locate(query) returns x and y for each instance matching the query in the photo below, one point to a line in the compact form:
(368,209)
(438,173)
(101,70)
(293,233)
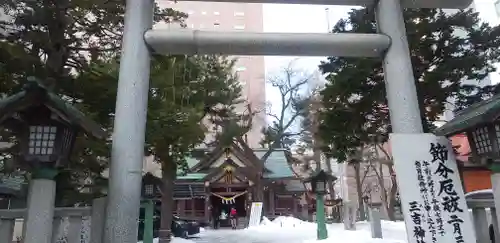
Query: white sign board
(431,193)
(255,214)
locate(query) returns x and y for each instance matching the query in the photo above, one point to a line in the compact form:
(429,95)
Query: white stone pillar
(481,226)
(6,229)
(40,212)
(495,183)
(74,229)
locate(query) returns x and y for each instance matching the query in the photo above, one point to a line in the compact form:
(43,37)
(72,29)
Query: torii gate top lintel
(448,4)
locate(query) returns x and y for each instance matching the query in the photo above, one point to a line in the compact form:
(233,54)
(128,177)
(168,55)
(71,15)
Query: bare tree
(356,161)
(377,163)
(388,161)
(291,85)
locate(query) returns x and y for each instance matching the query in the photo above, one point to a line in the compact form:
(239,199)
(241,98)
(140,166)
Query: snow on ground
(175,240)
(292,230)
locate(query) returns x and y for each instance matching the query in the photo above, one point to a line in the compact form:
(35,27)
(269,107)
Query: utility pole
(327,11)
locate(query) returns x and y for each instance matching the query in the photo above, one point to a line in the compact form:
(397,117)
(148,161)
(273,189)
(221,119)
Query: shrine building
(232,176)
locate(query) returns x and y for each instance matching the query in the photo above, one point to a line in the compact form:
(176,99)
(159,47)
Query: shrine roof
(192,176)
(295,186)
(34,93)
(192,162)
(277,164)
(477,114)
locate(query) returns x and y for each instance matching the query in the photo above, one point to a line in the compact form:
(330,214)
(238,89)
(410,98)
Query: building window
(239,14)
(42,139)
(203,13)
(216,13)
(148,190)
(190,12)
(192,26)
(239,27)
(216,25)
(482,140)
(241,69)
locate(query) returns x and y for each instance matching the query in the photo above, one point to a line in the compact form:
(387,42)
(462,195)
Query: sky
(299,19)
(317,19)
(487,12)
(279,18)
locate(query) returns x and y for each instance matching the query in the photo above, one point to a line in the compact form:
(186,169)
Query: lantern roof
(320,174)
(150,179)
(12,185)
(34,93)
(480,113)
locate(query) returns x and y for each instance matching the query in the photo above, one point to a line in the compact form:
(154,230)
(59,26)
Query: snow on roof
(479,194)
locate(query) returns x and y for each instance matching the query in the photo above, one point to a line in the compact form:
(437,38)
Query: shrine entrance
(223,198)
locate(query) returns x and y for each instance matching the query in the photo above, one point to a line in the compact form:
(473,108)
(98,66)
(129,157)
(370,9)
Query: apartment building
(223,16)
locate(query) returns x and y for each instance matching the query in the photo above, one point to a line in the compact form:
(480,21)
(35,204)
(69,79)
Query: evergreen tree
(182,89)
(445,50)
(73,45)
(63,42)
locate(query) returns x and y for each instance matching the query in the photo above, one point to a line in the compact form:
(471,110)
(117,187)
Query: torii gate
(139,39)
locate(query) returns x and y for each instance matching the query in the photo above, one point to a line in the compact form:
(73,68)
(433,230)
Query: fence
(484,216)
(70,225)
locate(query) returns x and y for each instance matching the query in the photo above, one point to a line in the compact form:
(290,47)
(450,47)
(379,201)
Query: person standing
(233,217)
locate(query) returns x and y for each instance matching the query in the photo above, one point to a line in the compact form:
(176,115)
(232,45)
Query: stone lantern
(150,187)
(317,182)
(481,124)
(46,127)
(150,191)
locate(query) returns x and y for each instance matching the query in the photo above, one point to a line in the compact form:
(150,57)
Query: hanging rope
(229,200)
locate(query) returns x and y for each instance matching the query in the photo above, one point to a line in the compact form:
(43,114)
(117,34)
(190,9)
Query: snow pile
(265,221)
(297,231)
(282,222)
(174,240)
(289,222)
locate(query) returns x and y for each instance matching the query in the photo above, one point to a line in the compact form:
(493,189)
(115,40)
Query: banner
(432,197)
(255,214)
